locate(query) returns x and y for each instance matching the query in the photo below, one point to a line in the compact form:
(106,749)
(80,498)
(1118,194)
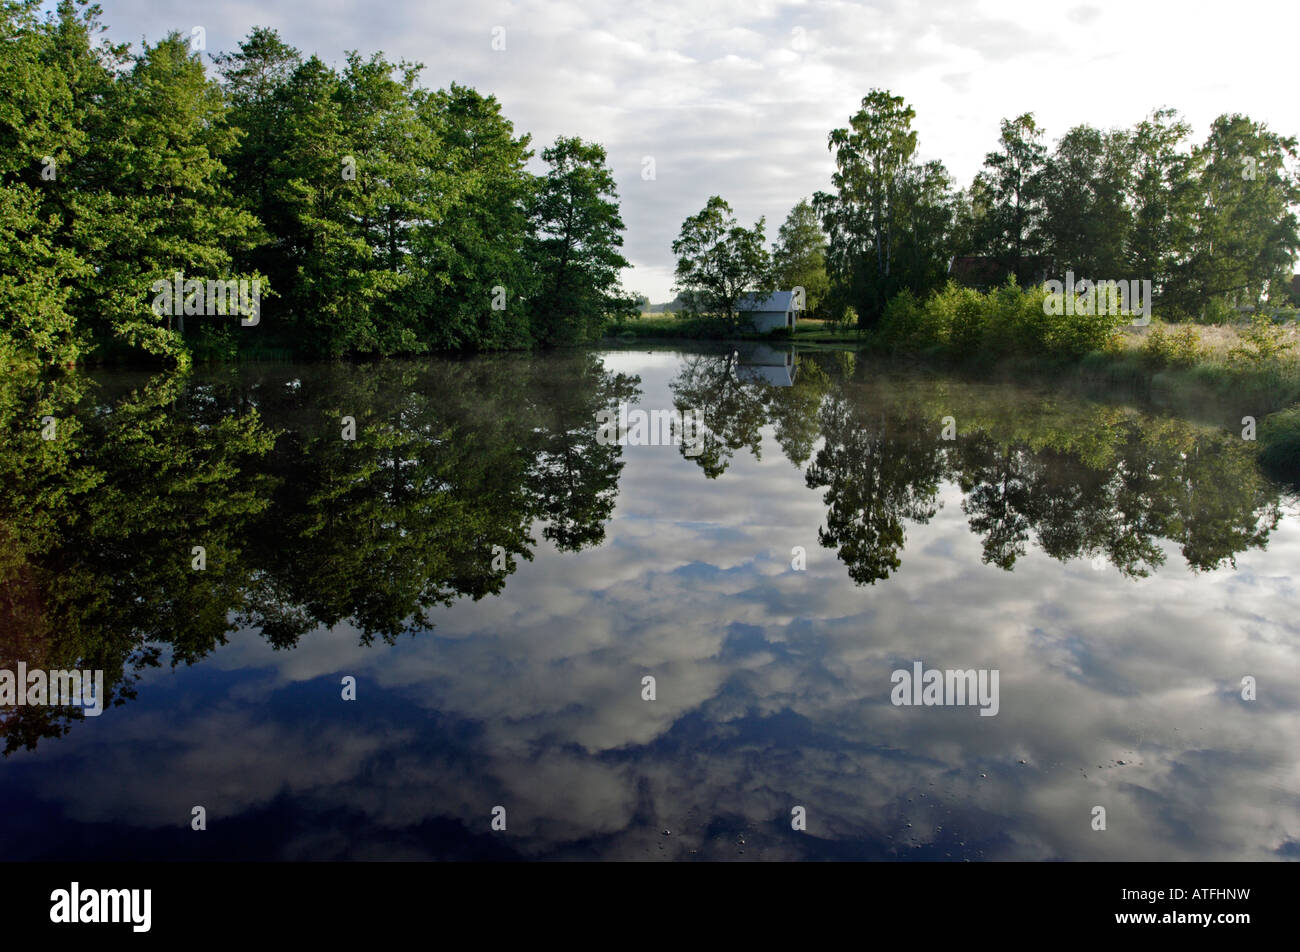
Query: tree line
(377,217)
(1212,226)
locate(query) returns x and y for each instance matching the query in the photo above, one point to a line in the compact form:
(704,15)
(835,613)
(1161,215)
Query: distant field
(650,325)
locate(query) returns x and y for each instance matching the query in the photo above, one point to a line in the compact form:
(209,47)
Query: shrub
(969,321)
(1006,321)
(1264,340)
(1217,311)
(902,326)
(1182,348)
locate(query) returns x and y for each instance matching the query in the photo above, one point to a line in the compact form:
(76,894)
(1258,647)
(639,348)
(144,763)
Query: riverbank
(674,327)
(1243,376)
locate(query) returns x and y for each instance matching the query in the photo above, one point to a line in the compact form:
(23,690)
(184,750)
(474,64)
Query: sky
(736,97)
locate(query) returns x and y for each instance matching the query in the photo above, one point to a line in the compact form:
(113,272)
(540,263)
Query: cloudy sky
(735,97)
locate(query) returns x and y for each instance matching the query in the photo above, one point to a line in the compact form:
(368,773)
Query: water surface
(499,582)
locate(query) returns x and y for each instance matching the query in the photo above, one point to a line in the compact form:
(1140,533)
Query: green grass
(673,326)
(663,326)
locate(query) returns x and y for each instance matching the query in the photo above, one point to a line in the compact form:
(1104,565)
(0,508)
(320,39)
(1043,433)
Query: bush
(904,327)
(1264,341)
(1182,348)
(1007,321)
(1217,311)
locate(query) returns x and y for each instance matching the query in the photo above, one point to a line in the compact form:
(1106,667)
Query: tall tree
(927,206)
(1087,220)
(1163,196)
(254,79)
(42,120)
(574,249)
(1246,234)
(472,279)
(888,219)
(1013,178)
(162,201)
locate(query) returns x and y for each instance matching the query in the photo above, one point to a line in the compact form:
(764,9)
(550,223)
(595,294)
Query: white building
(768,313)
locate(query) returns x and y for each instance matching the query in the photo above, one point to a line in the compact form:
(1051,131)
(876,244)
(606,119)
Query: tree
(1087,221)
(472,277)
(889,219)
(41,121)
(1163,195)
(156,198)
(383,217)
(1013,179)
(576,231)
(719,261)
(799,257)
(1246,234)
(254,79)
(926,207)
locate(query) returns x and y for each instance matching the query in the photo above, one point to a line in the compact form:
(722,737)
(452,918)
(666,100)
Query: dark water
(499,583)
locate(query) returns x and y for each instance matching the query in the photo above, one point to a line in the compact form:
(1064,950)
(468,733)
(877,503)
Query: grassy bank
(1233,374)
(1220,373)
(675,327)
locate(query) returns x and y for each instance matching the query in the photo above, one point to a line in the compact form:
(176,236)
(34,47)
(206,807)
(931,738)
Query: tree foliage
(890,219)
(375,216)
(799,258)
(719,261)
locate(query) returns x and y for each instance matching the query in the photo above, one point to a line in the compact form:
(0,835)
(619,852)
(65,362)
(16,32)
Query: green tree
(1087,221)
(576,233)
(254,78)
(799,257)
(1246,230)
(889,219)
(41,131)
(1012,179)
(472,280)
(719,262)
(1163,195)
(319,210)
(155,198)
(926,204)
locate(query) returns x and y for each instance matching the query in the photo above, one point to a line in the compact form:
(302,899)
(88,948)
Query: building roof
(779,301)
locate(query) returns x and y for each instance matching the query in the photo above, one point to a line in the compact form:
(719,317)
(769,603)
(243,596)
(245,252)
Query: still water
(500,580)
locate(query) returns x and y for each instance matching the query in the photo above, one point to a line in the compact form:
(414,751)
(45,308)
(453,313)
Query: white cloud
(723,93)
